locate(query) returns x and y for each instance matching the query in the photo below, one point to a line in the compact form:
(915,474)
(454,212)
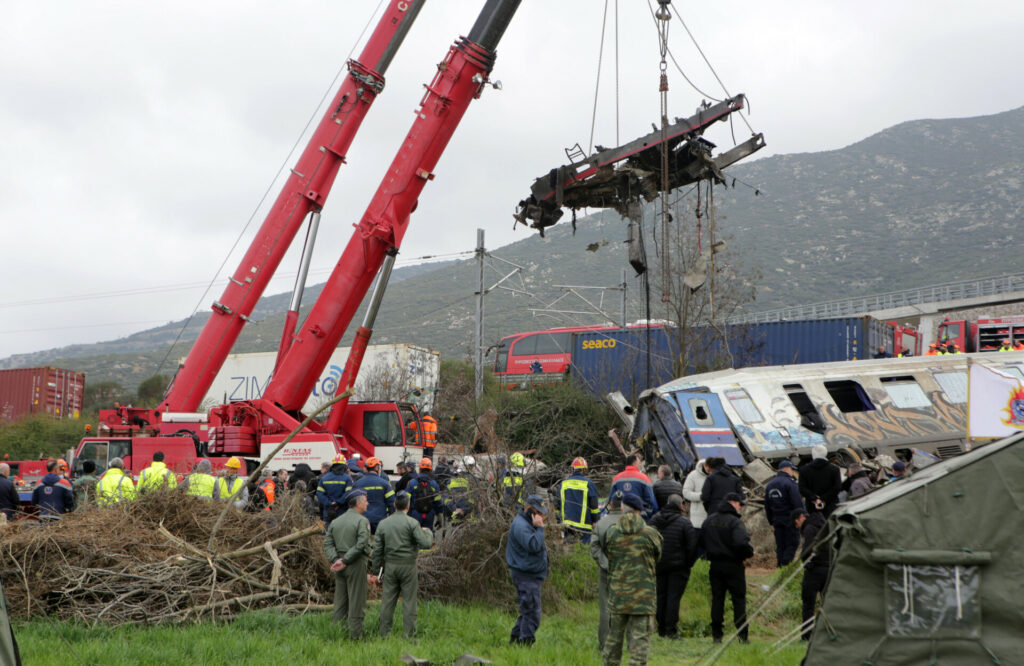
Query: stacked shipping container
(54,392)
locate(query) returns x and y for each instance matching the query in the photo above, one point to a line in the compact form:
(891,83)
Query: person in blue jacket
(332,488)
(52,497)
(527,558)
(379,494)
(425,496)
(781,498)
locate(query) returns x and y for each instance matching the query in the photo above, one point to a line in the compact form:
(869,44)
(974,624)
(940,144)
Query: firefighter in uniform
(332,488)
(512,483)
(428,437)
(577,503)
(379,495)
(157,476)
(230,487)
(200,483)
(425,495)
(115,485)
(458,500)
(399,539)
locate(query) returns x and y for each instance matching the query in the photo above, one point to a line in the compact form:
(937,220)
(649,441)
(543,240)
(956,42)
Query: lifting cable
(597,83)
(663,16)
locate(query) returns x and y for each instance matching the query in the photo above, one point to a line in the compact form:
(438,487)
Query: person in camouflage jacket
(633,550)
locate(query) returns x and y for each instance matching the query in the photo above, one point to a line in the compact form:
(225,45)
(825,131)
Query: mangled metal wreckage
(620,178)
(905,407)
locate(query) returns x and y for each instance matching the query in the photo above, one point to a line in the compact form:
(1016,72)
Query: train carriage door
(707,425)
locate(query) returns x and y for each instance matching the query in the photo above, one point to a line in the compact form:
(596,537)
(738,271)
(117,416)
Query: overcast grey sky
(138,137)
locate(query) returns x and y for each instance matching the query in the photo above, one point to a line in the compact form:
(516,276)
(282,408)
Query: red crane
(250,428)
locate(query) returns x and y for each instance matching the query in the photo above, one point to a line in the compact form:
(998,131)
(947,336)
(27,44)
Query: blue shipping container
(618,360)
(809,341)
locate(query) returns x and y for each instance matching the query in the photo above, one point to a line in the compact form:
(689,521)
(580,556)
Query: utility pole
(622,302)
(478,350)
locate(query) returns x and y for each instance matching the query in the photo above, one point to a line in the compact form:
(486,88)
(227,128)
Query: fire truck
(251,429)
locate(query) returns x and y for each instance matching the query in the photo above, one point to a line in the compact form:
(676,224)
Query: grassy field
(568,636)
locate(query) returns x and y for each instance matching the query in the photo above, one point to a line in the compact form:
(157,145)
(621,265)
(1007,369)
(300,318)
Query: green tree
(102,395)
(151,390)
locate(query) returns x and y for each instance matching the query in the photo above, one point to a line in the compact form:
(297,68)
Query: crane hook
(663,13)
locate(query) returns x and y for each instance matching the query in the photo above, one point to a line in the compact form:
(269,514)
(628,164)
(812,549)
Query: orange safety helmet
(579,463)
(372,462)
(62,464)
(426,463)
(234,463)
(339,459)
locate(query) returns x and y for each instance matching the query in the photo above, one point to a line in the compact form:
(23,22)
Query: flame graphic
(1015,409)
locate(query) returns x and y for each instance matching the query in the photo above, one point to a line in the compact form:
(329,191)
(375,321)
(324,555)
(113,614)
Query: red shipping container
(52,391)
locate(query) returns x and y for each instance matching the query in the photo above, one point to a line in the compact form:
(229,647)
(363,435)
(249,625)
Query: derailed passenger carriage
(856,409)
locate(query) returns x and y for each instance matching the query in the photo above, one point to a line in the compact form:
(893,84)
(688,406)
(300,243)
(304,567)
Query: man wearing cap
(820,482)
(347,546)
(781,497)
(527,557)
(600,555)
(817,559)
(728,545)
(899,471)
(633,549)
(331,489)
(379,495)
(399,540)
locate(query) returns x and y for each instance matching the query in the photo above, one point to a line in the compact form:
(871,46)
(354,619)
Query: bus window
(501,359)
(525,345)
(551,343)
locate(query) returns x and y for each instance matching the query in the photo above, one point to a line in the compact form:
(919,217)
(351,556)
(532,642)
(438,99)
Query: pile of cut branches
(161,559)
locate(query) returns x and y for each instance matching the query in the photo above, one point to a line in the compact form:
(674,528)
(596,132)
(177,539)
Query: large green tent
(930,569)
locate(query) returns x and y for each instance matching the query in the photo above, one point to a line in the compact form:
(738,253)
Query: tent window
(1012,370)
(905,392)
(701,413)
(933,601)
(744,406)
(953,384)
(849,396)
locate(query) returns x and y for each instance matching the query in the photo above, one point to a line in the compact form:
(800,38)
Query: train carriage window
(953,384)
(700,411)
(905,392)
(525,345)
(810,417)
(849,396)
(744,406)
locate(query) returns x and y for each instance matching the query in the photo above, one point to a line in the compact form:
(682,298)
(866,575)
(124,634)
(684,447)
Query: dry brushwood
(146,562)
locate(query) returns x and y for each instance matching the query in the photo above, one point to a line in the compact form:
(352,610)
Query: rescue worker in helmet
(458,492)
(1006,346)
(577,503)
(332,488)
(380,496)
(425,495)
(512,483)
(230,487)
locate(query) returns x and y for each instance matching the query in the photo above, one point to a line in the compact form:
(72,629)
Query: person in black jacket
(678,553)
(10,502)
(727,544)
(666,485)
(817,559)
(820,483)
(781,498)
(720,482)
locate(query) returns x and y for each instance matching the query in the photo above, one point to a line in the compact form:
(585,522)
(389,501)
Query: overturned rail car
(855,409)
